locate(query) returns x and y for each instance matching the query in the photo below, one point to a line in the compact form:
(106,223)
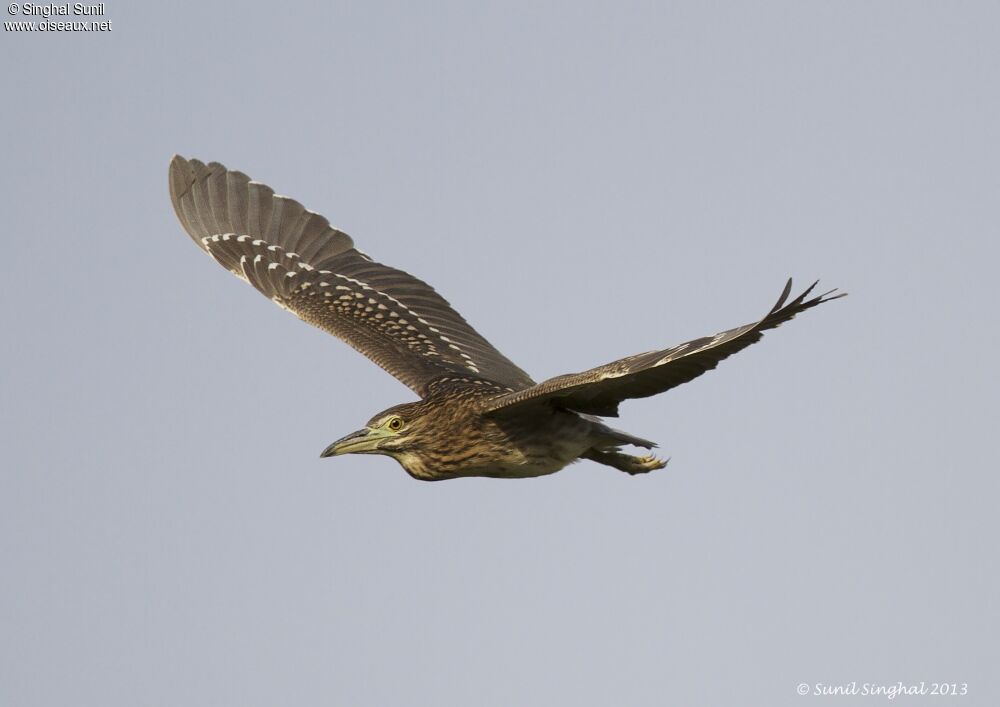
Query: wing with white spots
(599,390)
(294,257)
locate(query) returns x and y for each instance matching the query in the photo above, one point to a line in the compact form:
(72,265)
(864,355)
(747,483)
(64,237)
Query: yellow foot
(626,462)
(644,465)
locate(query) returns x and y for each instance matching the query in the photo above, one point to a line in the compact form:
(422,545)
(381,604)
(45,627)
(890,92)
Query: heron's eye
(395,424)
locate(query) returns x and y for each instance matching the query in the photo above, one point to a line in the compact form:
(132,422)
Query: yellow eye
(395,424)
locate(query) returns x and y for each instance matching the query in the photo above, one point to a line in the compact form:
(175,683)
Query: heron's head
(394,430)
(407,433)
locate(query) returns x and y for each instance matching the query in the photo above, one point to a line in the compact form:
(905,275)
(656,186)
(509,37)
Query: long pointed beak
(364,441)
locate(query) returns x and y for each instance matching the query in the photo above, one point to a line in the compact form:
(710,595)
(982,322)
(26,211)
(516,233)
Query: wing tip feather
(783,297)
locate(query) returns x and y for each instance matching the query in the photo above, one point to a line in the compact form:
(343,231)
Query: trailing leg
(625,462)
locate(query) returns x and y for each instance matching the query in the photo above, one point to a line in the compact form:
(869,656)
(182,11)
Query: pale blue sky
(582,183)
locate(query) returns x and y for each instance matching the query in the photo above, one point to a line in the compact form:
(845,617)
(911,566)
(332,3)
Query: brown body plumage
(447,435)
(479,413)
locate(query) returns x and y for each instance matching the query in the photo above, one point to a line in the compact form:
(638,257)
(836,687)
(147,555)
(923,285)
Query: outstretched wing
(303,264)
(599,390)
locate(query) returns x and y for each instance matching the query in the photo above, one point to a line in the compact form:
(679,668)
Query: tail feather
(616,438)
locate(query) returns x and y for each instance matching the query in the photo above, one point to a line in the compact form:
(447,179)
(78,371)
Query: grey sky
(582,183)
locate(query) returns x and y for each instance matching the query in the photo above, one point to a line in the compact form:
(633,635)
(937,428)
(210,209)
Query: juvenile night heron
(479,414)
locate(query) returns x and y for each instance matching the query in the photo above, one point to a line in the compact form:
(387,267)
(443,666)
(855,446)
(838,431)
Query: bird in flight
(479,414)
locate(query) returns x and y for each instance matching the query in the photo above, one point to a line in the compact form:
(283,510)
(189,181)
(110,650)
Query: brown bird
(479,414)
